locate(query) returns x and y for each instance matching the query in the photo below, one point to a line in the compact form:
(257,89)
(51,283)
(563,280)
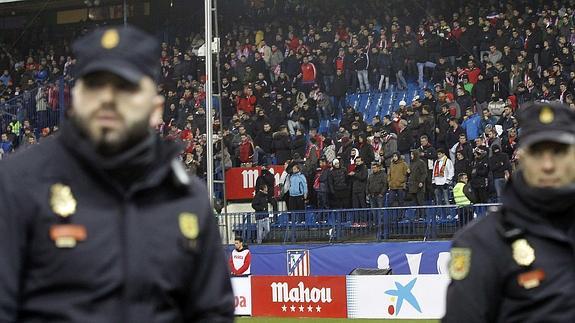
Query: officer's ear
(157,112)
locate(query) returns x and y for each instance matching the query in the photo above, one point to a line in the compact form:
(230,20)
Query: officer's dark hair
(460,176)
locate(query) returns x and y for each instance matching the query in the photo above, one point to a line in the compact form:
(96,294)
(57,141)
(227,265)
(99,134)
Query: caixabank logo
(400,295)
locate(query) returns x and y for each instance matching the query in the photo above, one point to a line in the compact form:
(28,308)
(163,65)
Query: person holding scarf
(443,172)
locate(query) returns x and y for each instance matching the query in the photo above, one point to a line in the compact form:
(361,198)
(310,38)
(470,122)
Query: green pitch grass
(310,320)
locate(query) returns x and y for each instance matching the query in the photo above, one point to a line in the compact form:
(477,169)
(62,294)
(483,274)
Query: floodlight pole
(209,98)
(125,13)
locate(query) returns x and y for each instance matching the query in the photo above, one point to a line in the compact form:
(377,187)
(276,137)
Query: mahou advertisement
(283,296)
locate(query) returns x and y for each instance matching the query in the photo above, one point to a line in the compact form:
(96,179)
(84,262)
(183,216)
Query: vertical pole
(125,13)
(209,98)
(219,82)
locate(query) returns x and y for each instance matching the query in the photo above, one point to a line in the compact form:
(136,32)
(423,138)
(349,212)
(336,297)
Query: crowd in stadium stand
(289,66)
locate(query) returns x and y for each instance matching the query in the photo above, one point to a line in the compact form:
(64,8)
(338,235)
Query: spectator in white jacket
(443,172)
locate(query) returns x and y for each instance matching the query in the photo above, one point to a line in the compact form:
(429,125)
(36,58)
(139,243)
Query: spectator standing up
(241,259)
(463,196)
(281,145)
(397,179)
(417,178)
(297,189)
(338,187)
(462,191)
(358,181)
(267,178)
(404,140)
(264,145)
(338,90)
(471,124)
(442,177)
(376,186)
(6,146)
(362,66)
(480,175)
(321,184)
(246,151)
(260,205)
(500,166)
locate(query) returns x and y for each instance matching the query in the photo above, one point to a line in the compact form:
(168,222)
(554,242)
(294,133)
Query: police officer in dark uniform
(101,223)
(517,263)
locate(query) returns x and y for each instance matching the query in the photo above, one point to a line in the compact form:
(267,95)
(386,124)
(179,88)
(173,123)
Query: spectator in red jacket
(247,101)
(246,149)
(308,73)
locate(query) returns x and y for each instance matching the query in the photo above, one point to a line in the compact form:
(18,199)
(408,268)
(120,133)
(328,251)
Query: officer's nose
(107,94)
(548,161)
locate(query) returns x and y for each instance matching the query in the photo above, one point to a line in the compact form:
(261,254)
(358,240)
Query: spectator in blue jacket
(471,124)
(5,145)
(486,119)
(297,189)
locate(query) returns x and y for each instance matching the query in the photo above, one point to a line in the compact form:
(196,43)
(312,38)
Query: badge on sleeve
(459,263)
(62,200)
(531,279)
(189,225)
(523,253)
(67,235)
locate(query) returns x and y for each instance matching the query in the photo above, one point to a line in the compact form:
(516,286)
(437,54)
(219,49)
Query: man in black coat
(101,223)
(338,186)
(338,90)
(282,145)
(264,144)
(514,265)
(480,174)
(358,181)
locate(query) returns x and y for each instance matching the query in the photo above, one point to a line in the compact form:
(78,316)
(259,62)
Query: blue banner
(404,258)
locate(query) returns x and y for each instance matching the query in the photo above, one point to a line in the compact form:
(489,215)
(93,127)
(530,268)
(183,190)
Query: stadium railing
(25,106)
(391,223)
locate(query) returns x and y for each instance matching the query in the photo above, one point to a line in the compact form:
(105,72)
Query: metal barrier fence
(43,106)
(393,223)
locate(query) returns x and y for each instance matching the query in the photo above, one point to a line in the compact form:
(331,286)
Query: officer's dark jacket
(135,264)
(491,291)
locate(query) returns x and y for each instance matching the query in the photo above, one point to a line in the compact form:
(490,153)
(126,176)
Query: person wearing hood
(267,178)
(480,174)
(365,149)
(514,265)
(338,186)
(500,167)
(389,147)
(358,180)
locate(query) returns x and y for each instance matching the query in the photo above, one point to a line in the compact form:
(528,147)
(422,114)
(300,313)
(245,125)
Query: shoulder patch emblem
(459,263)
(62,200)
(189,225)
